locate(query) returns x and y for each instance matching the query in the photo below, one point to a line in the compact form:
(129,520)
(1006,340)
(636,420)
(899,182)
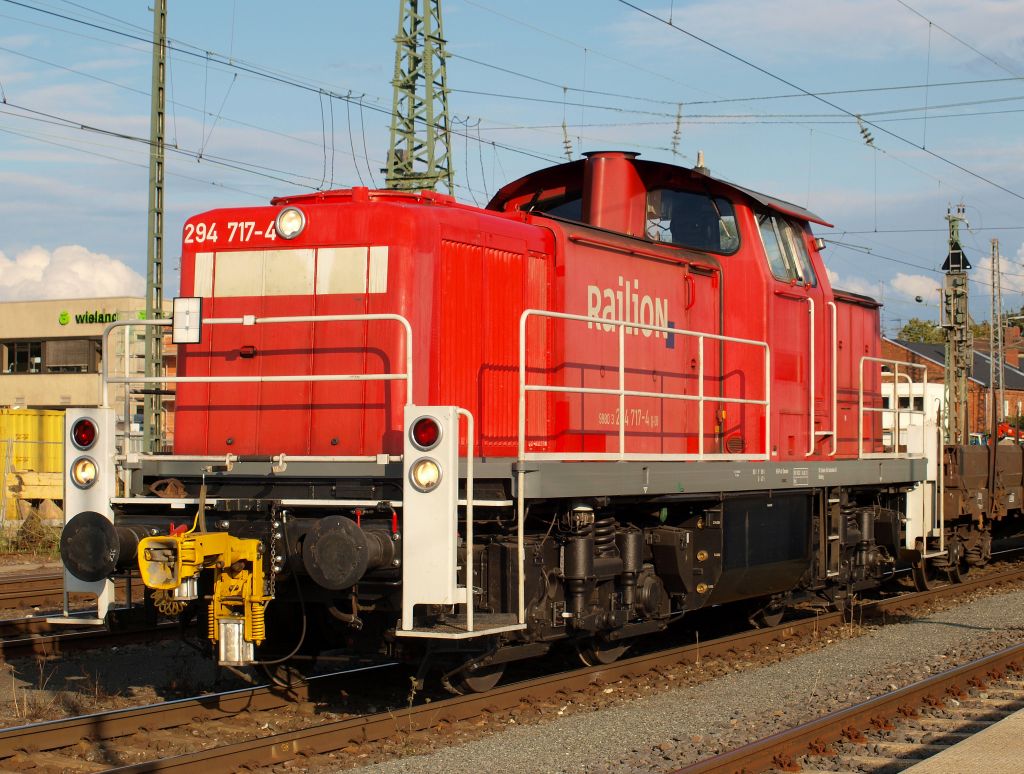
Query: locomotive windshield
(692,219)
(784,246)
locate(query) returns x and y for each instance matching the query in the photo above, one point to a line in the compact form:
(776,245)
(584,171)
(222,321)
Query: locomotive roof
(566,175)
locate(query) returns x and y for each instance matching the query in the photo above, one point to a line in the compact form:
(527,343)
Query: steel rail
(23,590)
(795,742)
(41,589)
(35,637)
(335,735)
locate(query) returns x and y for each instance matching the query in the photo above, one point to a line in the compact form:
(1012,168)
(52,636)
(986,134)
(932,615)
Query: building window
(71,356)
(24,357)
(59,356)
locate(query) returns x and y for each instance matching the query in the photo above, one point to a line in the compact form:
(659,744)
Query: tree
(920,330)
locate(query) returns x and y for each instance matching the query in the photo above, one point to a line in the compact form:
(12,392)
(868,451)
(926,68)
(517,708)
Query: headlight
(425,474)
(290,222)
(83,433)
(83,472)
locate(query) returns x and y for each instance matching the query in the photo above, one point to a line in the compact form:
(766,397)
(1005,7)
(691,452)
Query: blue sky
(73,202)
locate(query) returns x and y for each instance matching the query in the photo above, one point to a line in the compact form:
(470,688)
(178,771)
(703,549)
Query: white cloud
(913,285)
(1012,276)
(853,284)
(69,271)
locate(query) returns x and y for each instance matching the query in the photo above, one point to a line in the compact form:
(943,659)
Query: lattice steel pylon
(152,423)
(957,326)
(420,153)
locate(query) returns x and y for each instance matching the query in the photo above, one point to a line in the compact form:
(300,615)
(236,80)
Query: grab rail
(622,393)
(896,410)
(250,320)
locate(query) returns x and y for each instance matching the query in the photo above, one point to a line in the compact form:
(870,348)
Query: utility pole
(152,431)
(420,153)
(957,327)
(995,337)
(996,393)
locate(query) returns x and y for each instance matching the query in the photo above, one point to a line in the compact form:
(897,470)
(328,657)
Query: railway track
(267,725)
(35,637)
(33,590)
(32,635)
(46,589)
(894,731)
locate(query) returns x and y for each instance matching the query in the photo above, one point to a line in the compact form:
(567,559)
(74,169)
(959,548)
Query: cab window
(569,206)
(692,219)
(785,249)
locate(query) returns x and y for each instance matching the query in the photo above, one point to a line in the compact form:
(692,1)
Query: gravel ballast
(678,726)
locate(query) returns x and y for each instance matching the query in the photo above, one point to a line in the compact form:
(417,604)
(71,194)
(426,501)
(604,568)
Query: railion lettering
(626,304)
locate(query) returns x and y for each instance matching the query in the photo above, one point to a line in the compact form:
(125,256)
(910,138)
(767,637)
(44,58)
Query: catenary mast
(152,431)
(956,324)
(420,153)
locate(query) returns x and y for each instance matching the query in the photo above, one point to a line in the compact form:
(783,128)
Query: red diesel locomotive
(623,391)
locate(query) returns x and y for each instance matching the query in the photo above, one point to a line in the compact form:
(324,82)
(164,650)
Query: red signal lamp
(83,433)
(426,432)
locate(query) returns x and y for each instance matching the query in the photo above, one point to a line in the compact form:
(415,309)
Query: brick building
(933,356)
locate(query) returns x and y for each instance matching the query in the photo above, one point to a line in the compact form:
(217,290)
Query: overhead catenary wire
(960,40)
(478,128)
(825,101)
(246,67)
(263,72)
(366,153)
(45,139)
(726,100)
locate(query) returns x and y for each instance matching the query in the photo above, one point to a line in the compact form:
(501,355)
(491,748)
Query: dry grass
(32,536)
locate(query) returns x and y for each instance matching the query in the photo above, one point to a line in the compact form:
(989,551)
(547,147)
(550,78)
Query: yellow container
(32,439)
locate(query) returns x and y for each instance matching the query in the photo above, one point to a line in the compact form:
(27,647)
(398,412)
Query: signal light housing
(83,433)
(425,433)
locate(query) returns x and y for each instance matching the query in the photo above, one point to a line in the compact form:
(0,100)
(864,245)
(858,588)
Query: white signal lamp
(425,474)
(83,472)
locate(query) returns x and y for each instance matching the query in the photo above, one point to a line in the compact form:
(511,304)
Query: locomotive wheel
(926,575)
(595,652)
(478,681)
(958,567)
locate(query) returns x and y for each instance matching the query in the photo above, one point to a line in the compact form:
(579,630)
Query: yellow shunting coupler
(237,611)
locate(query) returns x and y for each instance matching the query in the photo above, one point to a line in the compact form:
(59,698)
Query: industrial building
(51,358)
(50,351)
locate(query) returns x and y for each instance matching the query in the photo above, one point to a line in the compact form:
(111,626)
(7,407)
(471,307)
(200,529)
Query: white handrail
(127,379)
(107,379)
(469,517)
(812,436)
(622,393)
(835,379)
(897,411)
